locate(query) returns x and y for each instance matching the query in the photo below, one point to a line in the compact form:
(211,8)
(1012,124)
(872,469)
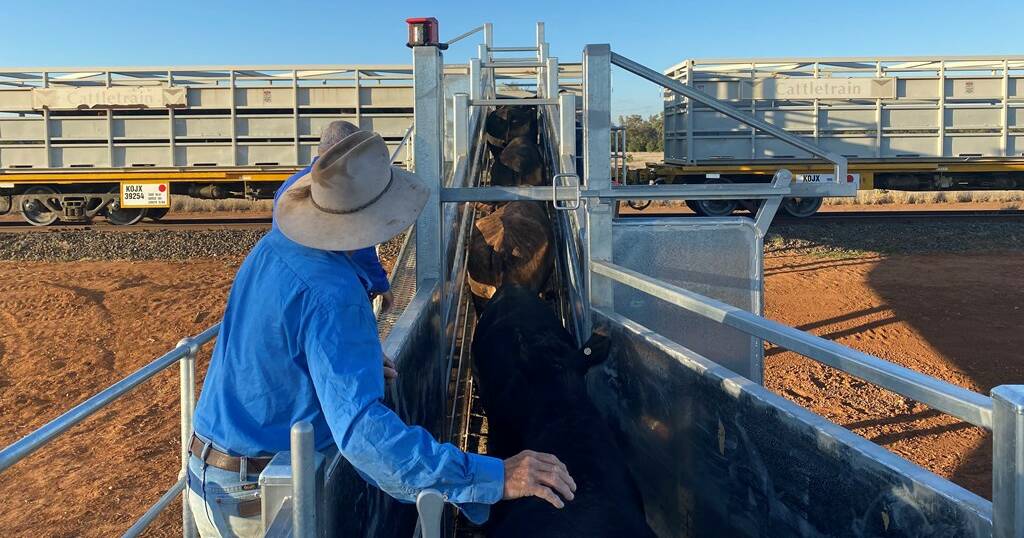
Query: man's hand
(530,473)
(386,300)
(390,370)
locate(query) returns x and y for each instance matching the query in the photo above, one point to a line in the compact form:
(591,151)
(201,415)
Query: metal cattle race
(712,449)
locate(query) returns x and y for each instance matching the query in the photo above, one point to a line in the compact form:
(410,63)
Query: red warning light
(423,32)
(849,178)
(162,187)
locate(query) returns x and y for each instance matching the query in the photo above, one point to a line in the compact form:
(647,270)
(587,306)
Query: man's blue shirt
(299,342)
(366,258)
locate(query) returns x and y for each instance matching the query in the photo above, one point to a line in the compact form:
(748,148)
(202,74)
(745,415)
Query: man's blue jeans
(214,494)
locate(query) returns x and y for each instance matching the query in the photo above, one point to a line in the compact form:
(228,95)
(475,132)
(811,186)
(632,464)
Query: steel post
(1008,461)
(430,509)
(187,371)
(567,128)
(475,82)
(551,70)
(303,481)
(427,147)
(597,123)
(460,125)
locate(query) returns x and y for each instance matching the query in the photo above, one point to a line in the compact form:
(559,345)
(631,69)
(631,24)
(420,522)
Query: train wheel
(157,213)
(801,207)
(639,205)
(714,208)
(37,213)
(120,216)
(693,207)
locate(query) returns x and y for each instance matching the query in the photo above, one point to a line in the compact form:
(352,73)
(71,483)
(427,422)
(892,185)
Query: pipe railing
(957,401)
(1002,414)
(184,353)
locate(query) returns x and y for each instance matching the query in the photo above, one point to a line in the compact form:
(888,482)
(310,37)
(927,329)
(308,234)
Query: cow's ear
(595,349)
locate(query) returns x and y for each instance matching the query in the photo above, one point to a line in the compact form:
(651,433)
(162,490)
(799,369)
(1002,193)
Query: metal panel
(719,258)
(934,99)
(717,455)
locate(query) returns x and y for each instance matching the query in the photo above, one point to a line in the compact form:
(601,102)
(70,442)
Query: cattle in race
(513,244)
(530,378)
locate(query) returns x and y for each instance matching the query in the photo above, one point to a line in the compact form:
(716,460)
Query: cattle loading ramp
(713,452)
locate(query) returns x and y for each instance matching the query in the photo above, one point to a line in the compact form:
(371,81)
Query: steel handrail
(957,401)
(25,446)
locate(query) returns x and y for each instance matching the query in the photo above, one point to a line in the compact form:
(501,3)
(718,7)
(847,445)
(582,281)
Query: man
(299,342)
(373,274)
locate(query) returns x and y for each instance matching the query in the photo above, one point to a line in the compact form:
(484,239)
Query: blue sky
(658,34)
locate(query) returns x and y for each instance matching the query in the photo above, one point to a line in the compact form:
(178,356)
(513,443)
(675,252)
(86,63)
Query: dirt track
(68,329)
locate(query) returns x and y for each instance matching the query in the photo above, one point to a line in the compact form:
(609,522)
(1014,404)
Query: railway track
(214,223)
(203,223)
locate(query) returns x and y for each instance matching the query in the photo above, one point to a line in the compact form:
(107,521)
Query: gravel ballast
(74,245)
(884,237)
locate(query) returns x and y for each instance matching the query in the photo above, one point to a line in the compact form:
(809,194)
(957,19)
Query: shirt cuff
(487,489)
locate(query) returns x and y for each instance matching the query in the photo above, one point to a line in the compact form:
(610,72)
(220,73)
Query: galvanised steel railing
(184,354)
(1002,414)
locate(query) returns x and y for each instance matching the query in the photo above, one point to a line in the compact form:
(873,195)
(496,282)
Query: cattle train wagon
(660,355)
(76,143)
(904,123)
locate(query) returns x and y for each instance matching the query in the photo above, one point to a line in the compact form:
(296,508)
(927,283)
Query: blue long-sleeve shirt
(366,258)
(299,342)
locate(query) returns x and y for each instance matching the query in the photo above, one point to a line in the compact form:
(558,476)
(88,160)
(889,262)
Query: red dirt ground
(67,330)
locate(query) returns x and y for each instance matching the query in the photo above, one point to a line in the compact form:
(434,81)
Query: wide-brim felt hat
(352,198)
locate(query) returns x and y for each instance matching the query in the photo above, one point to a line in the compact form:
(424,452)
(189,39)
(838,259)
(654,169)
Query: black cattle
(522,157)
(514,245)
(531,383)
(507,122)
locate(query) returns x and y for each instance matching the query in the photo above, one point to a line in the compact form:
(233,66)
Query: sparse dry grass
(884,197)
(196,205)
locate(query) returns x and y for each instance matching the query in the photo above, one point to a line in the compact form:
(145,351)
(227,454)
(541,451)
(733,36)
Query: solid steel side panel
(946,397)
(719,258)
(715,454)
(1008,461)
(418,397)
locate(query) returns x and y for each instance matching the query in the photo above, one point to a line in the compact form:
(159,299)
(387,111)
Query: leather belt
(224,461)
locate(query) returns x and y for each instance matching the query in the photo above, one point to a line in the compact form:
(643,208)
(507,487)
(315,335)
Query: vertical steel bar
(234,118)
(296,123)
(1008,461)
(460,125)
(941,149)
(427,147)
(170,123)
(187,373)
(690,143)
(1005,117)
(303,481)
(475,82)
(358,82)
(567,127)
(551,75)
(878,116)
(46,124)
(597,122)
(110,130)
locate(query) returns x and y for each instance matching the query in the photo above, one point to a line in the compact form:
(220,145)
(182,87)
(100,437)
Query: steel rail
(716,191)
(957,401)
(25,446)
(154,511)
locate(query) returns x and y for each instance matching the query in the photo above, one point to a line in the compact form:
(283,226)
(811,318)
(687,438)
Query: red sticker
(162,187)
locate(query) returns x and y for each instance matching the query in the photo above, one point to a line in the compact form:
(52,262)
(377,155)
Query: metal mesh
(403,286)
